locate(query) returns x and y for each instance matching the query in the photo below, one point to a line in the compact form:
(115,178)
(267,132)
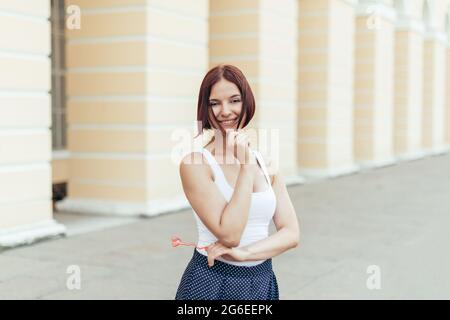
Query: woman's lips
(228,122)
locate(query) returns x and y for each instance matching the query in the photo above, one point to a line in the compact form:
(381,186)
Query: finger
(212,256)
(241,135)
(231,138)
(217,253)
(208,248)
(220,252)
(241,141)
(232,135)
(212,245)
(244,140)
(210,260)
(224,251)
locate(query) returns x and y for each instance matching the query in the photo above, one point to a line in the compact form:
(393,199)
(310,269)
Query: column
(409,35)
(325,94)
(447,85)
(447,82)
(434,62)
(25,139)
(134,70)
(259,37)
(374,84)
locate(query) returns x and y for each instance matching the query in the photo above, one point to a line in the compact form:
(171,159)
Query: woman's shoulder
(194,164)
(195,155)
(192,157)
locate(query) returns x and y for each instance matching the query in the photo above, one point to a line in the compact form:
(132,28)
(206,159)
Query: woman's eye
(213,104)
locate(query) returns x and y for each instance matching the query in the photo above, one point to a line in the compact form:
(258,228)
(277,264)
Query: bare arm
(286,222)
(226,221)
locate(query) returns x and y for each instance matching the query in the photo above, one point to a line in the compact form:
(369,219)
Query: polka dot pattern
(224,281)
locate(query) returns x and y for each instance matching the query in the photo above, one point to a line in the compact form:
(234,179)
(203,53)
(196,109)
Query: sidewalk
(397,218)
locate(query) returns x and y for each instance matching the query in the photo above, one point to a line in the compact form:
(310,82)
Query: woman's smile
(229,122)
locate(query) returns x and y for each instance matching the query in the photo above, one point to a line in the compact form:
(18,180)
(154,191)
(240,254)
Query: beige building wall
(25,148)
(60,170)
(133,73)
(260,37)
(325,91)
(447,86)
(445,20)
(433,135)
(409,37)
(374,83)
(323,72)
(434,87)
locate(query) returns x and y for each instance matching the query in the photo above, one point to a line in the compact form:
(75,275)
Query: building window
(59,137)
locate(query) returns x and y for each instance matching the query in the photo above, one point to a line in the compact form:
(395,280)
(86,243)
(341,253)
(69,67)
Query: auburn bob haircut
(234,75)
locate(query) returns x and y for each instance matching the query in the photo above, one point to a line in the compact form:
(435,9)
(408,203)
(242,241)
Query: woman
(234,198)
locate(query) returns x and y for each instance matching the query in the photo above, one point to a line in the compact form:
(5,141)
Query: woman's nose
(226,109)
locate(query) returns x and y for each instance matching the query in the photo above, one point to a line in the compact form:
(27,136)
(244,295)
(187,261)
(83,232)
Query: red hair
(234,75)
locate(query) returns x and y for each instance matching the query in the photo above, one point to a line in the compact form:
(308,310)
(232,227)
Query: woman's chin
(228,127)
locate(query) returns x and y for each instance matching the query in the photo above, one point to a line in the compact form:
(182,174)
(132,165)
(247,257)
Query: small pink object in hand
(176,241)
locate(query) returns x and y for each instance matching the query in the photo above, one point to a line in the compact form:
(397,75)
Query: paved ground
(397,218)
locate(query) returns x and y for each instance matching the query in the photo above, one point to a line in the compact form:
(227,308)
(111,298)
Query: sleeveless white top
(262,209)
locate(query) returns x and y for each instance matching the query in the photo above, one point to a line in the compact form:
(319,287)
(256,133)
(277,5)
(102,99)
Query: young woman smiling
(234,199)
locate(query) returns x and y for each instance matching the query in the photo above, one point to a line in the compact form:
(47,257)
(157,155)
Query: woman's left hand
(217,249)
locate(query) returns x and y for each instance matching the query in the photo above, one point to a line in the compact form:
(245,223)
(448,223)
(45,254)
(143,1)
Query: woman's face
(225,101)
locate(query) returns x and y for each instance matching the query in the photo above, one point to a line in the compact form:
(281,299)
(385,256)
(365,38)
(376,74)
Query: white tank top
(262,209)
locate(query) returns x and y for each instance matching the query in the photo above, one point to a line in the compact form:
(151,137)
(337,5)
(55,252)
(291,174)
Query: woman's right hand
(240,143)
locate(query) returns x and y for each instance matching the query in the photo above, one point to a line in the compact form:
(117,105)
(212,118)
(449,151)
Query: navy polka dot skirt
(224,281)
